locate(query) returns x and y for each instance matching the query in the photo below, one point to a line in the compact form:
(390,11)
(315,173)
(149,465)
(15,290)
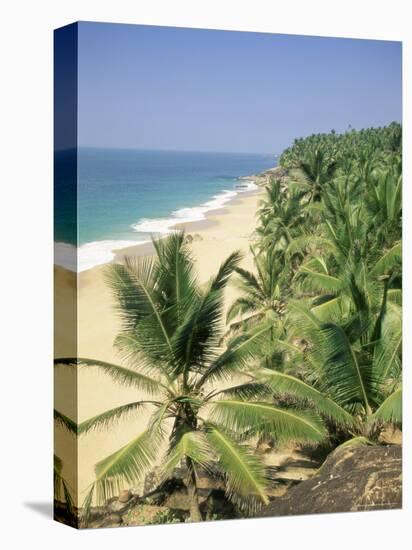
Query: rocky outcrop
(263,178)
(351,479)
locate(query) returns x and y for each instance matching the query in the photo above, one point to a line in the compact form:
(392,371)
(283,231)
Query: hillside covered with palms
(309,353)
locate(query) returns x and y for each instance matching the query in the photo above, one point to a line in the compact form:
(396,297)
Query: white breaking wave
(163,226)
(89,255)
(95,253)
(101,252)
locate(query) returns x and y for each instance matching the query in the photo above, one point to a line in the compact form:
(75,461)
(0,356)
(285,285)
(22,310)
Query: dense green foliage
(335,230)
(311,348)
(172,330)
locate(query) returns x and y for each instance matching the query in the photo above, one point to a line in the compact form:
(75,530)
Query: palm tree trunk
(195,514)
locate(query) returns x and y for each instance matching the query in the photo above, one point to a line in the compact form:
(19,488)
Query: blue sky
(203,90)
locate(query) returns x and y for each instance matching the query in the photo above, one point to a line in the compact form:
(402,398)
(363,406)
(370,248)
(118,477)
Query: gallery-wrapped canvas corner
(228,277)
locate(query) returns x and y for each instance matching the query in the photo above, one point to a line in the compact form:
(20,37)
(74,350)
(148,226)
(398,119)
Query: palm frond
(328,308)
(320,281)
(390,259)
(127,465)
(66,422)
(87,505)
(387,353)
(391,409)
(249,390)
(244,473)
(174,274)
(267,420)
(282,383)
(111,416)
(345,377)
(197,338)
(68,499)
(225,271)
(249,279)
(139,299)
(240,351)
(139,350)
(193,445)
(395,296)
(130,284)
(122,375)
(240,307)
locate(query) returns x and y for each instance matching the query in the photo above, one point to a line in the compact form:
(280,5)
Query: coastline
(213,239)
(195,229)
(212,216)
(94,253)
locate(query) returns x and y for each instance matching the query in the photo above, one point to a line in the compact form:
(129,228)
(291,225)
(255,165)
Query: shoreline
(212,219)
(98,325)
(213,239)
(68,256)
(212,216)
(215,223)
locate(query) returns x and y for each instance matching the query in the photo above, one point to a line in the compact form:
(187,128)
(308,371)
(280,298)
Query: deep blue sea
(125,196)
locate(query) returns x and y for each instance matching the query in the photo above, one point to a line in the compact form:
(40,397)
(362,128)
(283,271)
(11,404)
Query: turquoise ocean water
(125,196)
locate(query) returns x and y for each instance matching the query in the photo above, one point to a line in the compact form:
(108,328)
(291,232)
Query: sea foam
(89,254)
(163,226)
(101,252)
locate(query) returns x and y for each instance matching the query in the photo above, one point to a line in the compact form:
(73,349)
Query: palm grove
(310,351)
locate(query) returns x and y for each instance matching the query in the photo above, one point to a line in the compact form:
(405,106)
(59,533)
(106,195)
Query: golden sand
(98,324)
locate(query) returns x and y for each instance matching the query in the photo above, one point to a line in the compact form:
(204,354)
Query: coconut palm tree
(360,257)
(316,168)
(260,298)
(282,217)
(383,204)
(343,303)
(355,386)
(171,343)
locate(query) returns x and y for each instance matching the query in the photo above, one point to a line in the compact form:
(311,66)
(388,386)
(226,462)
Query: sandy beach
(224,231)
(197,173)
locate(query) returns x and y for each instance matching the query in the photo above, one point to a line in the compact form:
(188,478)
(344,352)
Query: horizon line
(80,146)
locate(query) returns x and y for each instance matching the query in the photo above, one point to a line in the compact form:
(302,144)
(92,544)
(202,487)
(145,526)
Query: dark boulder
(351,479)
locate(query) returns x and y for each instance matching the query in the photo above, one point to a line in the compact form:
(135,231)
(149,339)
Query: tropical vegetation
(310,351)
(340,270)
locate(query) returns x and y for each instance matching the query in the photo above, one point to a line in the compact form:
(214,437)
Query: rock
(351,479)
(152,480)
(178,500)
(264,177)
(218,506)
(118,507)
(125,495)
(147,514)
(390,436)
(189,238)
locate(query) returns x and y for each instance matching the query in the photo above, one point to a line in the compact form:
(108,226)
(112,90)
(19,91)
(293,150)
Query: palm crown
(172,330)
(340,273)
(313,348)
